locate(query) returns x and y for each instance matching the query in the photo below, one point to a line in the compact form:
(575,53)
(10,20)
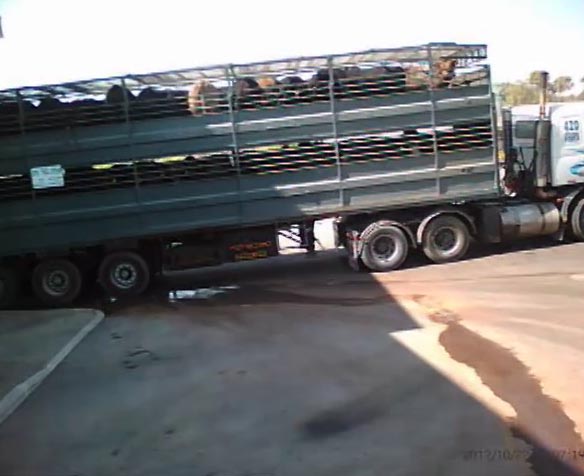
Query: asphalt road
(300,366)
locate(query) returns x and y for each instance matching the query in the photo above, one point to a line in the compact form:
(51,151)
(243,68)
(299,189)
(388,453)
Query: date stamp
(506,454)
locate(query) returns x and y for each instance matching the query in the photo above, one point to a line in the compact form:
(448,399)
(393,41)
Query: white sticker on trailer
(47,177)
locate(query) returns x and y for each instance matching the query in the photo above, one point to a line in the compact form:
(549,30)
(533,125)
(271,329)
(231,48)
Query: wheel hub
(384,248)
(56,282)
(445,239)
(124,275)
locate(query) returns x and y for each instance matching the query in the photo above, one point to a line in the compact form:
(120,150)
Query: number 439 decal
(572,131)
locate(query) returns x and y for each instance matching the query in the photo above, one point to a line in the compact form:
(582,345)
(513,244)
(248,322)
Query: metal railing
(274,159)
(204,91)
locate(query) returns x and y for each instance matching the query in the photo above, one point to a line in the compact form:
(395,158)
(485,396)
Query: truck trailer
(118,179)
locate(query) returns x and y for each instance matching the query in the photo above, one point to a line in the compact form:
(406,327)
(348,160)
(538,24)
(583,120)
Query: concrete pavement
(32,344)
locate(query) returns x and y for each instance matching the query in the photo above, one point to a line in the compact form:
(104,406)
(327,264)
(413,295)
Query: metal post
(38,222)
(21,122)
(20,115)
(437,164)
(130,136)
(230,75)
(494,131)
(130,142)
(335,133)
(23,141)
(126,102)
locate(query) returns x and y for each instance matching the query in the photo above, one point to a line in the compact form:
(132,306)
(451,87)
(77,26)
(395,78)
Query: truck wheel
(577,221)
(445,239)
(124,273)
(56,282)
(9,287)
(386,249)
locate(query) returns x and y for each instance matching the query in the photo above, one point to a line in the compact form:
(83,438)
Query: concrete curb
(13,399)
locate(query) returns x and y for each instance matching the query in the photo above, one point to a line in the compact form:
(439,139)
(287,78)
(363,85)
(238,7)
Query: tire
(9,287)
(577,221)
(56,282)
(386,249)
(124,273)
(446,239)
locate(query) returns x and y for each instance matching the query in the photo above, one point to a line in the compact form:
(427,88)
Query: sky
(50,41)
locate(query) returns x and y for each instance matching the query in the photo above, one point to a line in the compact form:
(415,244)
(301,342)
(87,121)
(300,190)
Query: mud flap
(354,249)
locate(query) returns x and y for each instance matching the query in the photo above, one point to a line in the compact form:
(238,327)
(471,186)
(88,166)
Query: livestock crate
(234,145)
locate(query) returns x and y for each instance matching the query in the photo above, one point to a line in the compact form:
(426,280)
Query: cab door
(567,150)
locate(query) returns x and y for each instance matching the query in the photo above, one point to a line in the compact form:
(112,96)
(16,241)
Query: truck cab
(566,140)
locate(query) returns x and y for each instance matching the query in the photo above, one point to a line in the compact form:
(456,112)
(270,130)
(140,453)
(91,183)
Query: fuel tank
(511,222)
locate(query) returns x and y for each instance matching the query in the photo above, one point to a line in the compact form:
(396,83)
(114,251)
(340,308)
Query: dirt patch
(435,311)
(558,449)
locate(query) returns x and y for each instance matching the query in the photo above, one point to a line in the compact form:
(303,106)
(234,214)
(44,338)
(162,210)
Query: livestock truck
(117,179)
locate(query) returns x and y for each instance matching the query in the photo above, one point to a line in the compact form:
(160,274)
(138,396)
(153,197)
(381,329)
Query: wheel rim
(124,276)
(383,249)
(56,282)
(445,239)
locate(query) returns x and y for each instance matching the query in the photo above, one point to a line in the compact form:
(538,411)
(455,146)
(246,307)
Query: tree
(534,78)
(520,92)
(527,92)
(562,84)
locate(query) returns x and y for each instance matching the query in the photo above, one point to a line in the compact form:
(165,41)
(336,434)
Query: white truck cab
(566,144)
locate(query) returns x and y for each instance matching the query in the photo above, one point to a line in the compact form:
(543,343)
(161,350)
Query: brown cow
(204,98)
(443,72)
(267,82)
(416,77)
(271,90)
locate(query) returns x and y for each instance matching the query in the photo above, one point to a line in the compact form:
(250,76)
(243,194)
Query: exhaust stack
(543,88)
(542,137)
